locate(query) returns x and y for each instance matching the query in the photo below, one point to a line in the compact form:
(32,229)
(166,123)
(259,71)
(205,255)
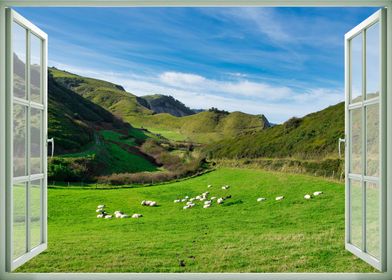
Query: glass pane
(372,140)
(35,69)
(373,61)
(356,68)
(356,213)
(35,202)
(20,117)
(36,135)
(373,219)
(19,60)
(19,220)
(356,141)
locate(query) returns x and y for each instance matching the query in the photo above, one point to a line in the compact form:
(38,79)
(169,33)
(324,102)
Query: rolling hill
(202,127)
(314,136)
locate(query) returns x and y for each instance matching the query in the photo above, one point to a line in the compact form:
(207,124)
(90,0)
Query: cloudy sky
(281,62)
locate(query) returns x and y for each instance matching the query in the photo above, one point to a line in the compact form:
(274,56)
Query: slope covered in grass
(313,136)
(242,235)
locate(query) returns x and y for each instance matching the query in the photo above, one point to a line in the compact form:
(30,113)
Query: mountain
(165,104)
(314,136)
(203,127)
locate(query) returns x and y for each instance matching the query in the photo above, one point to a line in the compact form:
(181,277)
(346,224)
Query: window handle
(51,141)
(341,140)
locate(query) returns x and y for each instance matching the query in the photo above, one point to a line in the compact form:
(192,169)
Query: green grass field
(242,235)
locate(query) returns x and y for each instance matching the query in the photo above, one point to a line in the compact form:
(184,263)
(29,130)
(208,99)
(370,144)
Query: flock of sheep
(189,203)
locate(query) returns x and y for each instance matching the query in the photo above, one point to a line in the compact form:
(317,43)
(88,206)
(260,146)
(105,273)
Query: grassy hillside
(313,136)
(203,127)
(242,235)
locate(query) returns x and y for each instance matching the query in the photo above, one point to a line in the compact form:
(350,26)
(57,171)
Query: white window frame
(193,3)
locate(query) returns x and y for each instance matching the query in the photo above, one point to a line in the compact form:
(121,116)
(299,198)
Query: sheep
(153,203)
(101,206)
(198,197)
(118,214)
(226,187)
(108,216)
(183,200)
(227,197)
(186,197)
(213,198)
(177,201)
(307,196)
(186,207)
(206,206)
(220,200)
(279,198)
(207,202)
(137,216)
(260,199)
(317,193)
(100,216)
(189,202)
(124,216)
(192,199)
(209,186)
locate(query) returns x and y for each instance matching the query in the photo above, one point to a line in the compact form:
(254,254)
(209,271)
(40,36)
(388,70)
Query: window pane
(372,140)
(20,113)
(356,213)
(35,218)
(356,68)
(35,69)
(19,220)
(373,61)
(36,135)
(19,60)
(373,219)
(356,141)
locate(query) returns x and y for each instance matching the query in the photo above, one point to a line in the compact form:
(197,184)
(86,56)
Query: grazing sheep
(118,214)
(100,216)
(307,196)
(279,198)
(186,197)
(101,206)
(206,206)
(209,186)
(317,193)
(137,216)
(260,199)
(220,200)
(226,187)
(198,197)
(207,202)
(183,200)
(186,207)
(177,201)
(192,199)
(189,202)
(153,204)
(108,216)
(124,216)
(213,198)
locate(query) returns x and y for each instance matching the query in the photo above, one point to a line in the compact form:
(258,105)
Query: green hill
(314,136)
(203,127)
(159,103)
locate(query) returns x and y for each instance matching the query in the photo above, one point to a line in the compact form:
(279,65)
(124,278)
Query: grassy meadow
(241,235)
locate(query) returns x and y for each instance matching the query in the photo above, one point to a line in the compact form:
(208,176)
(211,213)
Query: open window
(365,140)
(26,140)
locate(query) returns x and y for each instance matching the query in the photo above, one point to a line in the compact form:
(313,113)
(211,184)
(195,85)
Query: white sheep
(177,201)
(124,216)
(279,198)
(189,202)
(260,199)
(209,186)
(206,206)
(307,196)
(198,197)
(118,214)
(192,199)
(137,216)
(186,207)
(108,216)
(183,200)
(317,193)
(213,198)
(220,200)
(153,203)
(100,216)
(207,202)
(101,206)
(186,197)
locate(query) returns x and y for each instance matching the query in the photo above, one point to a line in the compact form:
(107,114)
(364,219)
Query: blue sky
(281,62)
